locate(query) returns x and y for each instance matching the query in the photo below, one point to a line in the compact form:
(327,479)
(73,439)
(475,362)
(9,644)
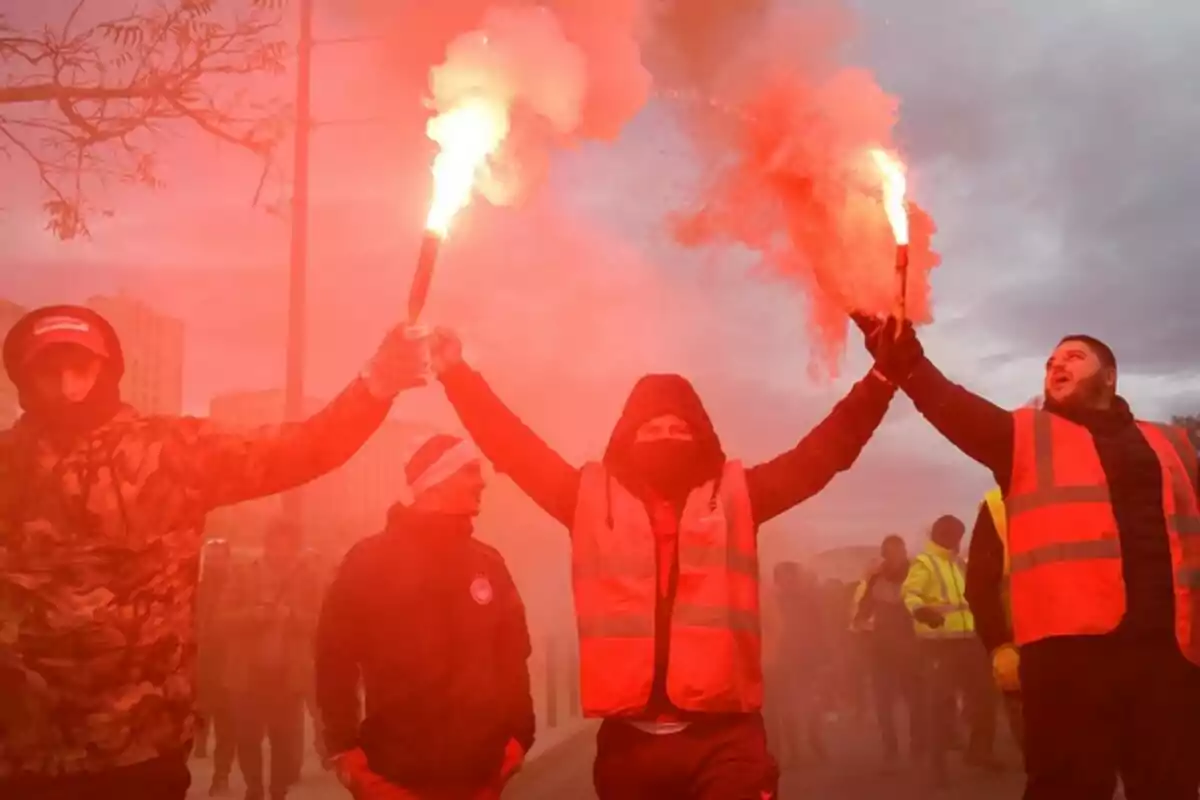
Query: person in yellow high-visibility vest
(934,593)
(988,595)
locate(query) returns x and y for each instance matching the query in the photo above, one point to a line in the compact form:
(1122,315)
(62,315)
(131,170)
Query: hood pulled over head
(668,467)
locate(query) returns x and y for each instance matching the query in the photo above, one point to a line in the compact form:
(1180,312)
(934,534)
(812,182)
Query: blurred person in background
(214,645)
(102,513)
(665,572)
(429,619)
(955,665)
(1102,519)
(803,666)
(895,661)
(848,687)
(276,601)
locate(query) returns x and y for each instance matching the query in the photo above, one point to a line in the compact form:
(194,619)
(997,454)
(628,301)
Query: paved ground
(853,773)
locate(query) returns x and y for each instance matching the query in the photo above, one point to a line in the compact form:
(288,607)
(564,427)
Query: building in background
(338,509)
(153,347)
(9,408)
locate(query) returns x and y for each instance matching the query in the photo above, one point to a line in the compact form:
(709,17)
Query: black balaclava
(66,420)
(668,468)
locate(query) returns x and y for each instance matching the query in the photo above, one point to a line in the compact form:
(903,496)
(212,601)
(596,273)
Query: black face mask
(895,570)
(667,464)
(68,419)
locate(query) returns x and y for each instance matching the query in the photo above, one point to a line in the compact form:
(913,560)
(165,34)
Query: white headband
(448,463)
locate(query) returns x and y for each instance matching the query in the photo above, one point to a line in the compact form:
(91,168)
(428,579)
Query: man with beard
(665,573)
(431,620)
(101,519)
(277,600)
(1102,531)
(213,648)
(895,668)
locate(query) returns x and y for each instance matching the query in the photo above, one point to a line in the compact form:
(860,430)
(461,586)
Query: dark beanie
(428,454)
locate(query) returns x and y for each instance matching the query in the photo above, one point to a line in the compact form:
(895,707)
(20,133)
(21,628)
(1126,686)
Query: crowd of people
(256,627)
(1081,587)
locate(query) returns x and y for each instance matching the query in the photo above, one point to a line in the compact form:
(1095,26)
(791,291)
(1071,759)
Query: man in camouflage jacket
(101,515)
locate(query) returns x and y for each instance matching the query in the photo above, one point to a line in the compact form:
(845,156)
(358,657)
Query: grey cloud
(1078,123)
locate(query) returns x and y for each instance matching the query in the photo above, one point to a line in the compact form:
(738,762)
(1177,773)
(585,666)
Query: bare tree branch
(88,105)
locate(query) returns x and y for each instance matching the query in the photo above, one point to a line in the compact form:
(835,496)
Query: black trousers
(219,722)
(1099,706)
(723,758)
(959,668)
(896,680)
(276,715)
(162,778)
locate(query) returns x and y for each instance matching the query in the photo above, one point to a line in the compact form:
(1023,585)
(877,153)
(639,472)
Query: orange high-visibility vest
(716,640)
(1062,535)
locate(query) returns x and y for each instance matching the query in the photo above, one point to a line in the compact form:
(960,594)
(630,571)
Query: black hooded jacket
(775,486)
(984,432)
(431,620)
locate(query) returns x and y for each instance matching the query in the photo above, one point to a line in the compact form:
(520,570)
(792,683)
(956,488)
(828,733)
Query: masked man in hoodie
(665,567)
(431,620)
(101,517)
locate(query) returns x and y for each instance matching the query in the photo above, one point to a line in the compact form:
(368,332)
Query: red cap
(63,329)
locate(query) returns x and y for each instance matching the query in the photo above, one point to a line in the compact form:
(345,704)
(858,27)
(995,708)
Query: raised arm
(979,428)
(508,443)
(832,447)
(230,466)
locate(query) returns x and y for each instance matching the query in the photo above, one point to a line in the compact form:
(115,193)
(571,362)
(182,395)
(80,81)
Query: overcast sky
(1055,146)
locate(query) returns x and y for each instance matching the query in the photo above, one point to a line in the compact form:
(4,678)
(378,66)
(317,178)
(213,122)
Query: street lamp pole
(297,333)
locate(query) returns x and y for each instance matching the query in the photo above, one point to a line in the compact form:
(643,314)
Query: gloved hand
(896,354)
(1006,667)
(930,617)
(445,350)
(401,362)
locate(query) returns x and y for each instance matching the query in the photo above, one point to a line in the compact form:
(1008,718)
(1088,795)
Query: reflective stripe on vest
(959,623)
(1067,577)
(715,648)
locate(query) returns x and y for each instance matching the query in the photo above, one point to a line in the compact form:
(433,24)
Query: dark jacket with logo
(431,620)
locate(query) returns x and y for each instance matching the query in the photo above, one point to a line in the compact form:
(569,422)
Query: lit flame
(894,187)
(468,135)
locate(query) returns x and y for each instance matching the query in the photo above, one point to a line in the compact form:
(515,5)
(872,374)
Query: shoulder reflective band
(1182,484)
(1047,493)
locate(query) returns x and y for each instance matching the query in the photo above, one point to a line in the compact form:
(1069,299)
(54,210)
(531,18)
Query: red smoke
(782,127)
(786,135)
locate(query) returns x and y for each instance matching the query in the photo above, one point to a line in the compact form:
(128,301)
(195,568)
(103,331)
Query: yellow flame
(468,135)
(894,187)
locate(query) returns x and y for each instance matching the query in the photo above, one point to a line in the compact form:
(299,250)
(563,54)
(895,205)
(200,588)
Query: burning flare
(894,187)
(468,134)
